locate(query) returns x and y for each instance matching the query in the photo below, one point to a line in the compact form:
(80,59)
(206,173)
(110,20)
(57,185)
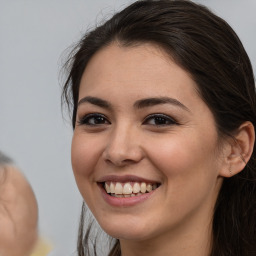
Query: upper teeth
(129,187)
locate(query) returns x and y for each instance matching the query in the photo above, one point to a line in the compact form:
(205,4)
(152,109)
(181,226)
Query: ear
(238,150)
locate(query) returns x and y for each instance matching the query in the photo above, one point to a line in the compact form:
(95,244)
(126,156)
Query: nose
(123,147)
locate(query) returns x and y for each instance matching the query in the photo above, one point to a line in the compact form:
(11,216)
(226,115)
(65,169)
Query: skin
(186,156)
(18,214)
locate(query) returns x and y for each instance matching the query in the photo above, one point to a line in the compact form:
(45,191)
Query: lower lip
(125,201)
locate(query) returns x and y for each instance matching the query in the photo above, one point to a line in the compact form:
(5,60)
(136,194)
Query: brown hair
(207,47)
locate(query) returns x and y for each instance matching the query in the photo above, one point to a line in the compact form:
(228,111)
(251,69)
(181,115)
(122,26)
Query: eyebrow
(143,103)
(95,101)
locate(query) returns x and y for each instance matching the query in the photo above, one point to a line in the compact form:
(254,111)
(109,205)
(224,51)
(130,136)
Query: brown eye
(159,120)
(93,120)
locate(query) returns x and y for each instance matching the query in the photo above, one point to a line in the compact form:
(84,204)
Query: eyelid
(82,120)
(85,118)
(167,117)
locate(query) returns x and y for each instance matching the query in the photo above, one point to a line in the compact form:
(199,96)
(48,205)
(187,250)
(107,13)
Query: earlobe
(240,150)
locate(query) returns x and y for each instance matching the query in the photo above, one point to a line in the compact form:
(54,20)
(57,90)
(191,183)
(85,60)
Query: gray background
(33,37)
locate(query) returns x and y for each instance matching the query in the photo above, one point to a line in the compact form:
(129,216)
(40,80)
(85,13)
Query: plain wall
(33,37)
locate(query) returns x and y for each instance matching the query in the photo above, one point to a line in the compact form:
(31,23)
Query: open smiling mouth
(128,189)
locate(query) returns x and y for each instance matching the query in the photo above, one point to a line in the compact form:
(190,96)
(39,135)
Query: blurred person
(18,211)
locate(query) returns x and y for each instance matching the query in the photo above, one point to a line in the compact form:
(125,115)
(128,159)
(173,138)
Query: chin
(126,229)
(128,234)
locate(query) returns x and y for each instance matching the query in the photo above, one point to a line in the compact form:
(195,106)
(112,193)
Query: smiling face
(141,120)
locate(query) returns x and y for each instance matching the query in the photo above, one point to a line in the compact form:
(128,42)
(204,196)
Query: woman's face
(141,125)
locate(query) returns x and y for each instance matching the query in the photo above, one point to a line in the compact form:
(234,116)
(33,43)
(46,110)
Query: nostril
(122,150)
(120,163)
(119,158)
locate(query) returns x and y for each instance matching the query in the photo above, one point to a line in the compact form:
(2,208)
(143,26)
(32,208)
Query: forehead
(144,70)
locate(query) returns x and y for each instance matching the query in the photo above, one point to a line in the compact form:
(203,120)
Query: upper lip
(126,178)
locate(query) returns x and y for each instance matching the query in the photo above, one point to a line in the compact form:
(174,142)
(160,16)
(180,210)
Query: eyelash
(86,119)
(168,121)
(100,119)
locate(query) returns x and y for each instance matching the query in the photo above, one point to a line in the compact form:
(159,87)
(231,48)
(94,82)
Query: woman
(18,211)
(18,214)
(164,110)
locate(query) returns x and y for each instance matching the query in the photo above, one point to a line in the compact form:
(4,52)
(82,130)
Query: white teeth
(149,187)
(118,188)
(143,187)
(136,188)
(112,188)
(127,189)
(107,188)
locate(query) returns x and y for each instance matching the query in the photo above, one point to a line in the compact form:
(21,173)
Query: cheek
(84,157)
(85,152)
(186,160)
(190,175)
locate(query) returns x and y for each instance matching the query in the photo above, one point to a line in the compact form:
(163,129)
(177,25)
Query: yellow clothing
(42,248)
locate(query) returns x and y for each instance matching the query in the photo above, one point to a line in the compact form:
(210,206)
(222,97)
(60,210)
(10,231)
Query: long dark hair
(207,47)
